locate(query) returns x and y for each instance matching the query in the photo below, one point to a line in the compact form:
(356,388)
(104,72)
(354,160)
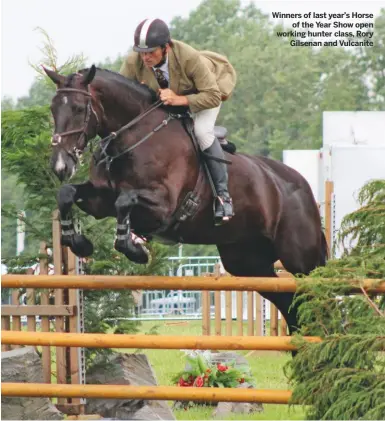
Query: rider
(200,80)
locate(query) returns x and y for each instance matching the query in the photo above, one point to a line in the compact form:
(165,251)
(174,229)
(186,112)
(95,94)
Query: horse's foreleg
(78,243)
(123,243)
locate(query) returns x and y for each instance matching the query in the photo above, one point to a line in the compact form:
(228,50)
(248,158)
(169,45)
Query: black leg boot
(218,170)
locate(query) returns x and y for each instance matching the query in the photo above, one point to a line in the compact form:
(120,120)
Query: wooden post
(206,318)
(5,325)
(273,320)
(283,331)
(217,304)
(16,320)
(44,299)
(258,314)
(73,328)
(240,312)
(229,315)
(59,299)
(31,320)
(250,313)
(329,188)
(258,322)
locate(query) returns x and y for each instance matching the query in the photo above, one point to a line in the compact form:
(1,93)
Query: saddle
(220,133)
(182,113)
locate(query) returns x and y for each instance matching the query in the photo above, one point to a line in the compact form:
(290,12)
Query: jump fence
(65,286)
(138,341)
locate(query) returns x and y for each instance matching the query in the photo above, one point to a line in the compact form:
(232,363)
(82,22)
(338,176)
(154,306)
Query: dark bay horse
(149,177)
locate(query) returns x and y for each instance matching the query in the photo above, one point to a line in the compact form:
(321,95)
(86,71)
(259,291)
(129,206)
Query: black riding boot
(218,170)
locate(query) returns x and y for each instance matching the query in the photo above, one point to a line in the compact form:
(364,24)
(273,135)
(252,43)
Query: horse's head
(75,119)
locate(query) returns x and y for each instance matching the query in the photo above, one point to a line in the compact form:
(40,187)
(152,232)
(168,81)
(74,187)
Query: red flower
(183,383)
(198,381)
(208,371)
(222,367)
(242,380)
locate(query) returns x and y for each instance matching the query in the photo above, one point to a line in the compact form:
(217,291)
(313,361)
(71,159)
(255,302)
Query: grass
(267,369)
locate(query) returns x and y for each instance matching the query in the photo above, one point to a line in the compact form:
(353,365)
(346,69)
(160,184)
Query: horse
(148,175)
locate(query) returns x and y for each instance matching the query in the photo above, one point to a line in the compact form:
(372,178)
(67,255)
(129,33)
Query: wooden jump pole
(104,340)
(225,283)
(146,392)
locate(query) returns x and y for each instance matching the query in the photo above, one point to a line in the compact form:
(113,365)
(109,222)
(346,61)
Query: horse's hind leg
(87,198)
(300,245)
(256,258)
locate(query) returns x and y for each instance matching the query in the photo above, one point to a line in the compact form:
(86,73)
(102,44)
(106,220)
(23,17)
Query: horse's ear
(54,76)
(89,76)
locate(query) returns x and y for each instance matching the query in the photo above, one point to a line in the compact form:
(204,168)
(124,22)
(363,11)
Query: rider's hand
(169,97)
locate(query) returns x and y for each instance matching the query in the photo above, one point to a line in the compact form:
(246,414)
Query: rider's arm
(209,95)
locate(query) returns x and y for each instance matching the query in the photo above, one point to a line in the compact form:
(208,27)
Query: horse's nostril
(61,175)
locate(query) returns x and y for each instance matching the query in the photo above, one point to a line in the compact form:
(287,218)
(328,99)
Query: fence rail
(223,283)
(146,392)
(95,340)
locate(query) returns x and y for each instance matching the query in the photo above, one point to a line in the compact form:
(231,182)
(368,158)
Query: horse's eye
(78,109)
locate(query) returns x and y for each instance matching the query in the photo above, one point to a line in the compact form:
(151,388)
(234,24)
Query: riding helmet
(151,34)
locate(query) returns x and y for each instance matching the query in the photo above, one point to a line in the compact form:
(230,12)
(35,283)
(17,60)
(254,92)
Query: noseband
(57,137)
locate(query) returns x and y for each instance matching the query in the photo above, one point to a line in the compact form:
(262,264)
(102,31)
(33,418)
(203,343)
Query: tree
(7,103)
(25,146)
(11,192)
(372,64)
(343,377)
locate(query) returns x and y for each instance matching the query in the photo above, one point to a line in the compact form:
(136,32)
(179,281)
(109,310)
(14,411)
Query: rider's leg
(204,122)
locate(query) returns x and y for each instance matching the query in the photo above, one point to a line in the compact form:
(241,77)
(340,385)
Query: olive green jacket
(206,78)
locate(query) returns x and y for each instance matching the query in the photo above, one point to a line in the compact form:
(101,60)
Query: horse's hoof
(134,252)
(140,257)
(66,241)
(81,246)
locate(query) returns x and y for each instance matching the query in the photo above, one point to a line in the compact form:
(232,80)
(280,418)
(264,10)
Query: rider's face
(153,58)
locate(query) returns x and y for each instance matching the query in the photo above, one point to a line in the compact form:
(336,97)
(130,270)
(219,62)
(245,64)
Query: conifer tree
(344,376)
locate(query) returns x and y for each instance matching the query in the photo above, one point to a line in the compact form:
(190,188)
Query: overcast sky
(104,28)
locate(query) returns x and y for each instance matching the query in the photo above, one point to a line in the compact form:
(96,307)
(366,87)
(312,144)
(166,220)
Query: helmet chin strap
(164,57)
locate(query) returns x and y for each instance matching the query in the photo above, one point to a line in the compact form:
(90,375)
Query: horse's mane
(140,88)
(143,91)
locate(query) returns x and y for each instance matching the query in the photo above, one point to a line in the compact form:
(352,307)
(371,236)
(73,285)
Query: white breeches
(204,123)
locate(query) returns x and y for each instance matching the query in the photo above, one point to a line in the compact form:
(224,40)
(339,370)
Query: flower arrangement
(202,372)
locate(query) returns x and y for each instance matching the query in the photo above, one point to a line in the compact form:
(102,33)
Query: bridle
(57,137)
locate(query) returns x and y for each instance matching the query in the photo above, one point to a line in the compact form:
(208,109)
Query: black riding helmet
(151,34)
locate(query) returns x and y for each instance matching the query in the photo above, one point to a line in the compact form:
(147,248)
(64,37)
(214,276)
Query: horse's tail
(324,250)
